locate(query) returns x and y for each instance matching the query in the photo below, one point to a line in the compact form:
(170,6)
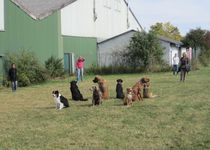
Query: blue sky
(184,14)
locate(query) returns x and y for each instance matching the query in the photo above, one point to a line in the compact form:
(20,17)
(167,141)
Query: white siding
(78,19)
(1,15)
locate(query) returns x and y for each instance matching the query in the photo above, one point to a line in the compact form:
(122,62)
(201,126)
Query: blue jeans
(80,74)
(14,85)
(175,69)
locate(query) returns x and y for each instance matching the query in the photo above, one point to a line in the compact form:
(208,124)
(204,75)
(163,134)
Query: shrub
(30,71)
(125,70)
(194,64)
(144,50)
(162,67)
(54,67)
(204,59)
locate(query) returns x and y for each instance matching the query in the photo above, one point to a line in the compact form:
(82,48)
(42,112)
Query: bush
(194,64)
(144,50)
(204,59)
(54,67)
(29,70)
(112,70)
(125,70)
(162,67)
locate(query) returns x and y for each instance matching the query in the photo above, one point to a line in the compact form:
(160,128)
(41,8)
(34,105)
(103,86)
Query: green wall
(81,46)
(22,32)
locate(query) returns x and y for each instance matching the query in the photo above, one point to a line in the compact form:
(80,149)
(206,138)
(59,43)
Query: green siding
(22,32)
(81,46)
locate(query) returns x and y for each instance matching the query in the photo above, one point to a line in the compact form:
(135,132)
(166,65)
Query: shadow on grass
(48,107)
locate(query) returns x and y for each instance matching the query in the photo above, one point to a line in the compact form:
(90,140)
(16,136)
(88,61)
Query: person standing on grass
(80,68)
(13,77)
(175,64)
(184,61)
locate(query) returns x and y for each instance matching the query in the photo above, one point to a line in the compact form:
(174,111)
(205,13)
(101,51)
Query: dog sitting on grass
(128,97)
(138,87)
(60,101)
(75,92)
(103,87)
(96,97)
(119,89)
(147,93)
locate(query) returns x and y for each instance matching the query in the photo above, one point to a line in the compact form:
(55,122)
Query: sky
(184,14)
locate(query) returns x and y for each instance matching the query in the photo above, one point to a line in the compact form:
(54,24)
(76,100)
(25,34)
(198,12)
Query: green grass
(178,119)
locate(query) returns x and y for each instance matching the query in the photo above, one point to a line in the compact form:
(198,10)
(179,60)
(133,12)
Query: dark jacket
(184,64)
(13,74)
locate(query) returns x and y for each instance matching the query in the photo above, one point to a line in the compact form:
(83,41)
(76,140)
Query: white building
(102,19)
(108,49)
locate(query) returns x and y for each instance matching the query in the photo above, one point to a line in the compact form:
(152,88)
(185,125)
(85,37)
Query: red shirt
(80,63)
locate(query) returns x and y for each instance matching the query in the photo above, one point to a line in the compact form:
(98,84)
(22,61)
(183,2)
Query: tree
(207,39)
(166,30)
(144,50)
(195,38)
(198,38)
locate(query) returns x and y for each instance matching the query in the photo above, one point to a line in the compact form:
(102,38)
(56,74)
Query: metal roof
(119,35)
(39,9)
(169,40)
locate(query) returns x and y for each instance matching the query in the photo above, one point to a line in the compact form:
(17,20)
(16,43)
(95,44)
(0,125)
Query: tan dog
(147,93)
(138,87)
(103,87)
(128,97)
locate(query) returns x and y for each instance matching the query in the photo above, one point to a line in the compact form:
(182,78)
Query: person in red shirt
(80,68)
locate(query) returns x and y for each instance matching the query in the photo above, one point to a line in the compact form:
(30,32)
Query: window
(1,15)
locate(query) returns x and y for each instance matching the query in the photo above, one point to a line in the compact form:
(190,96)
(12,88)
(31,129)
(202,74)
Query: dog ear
(95,80)
(120,80)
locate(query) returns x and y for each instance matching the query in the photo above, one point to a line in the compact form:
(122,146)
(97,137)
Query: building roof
(133,14)
(119,35)
(39,9)
(162,38)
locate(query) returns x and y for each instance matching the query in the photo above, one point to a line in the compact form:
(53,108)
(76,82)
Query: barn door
(69,66)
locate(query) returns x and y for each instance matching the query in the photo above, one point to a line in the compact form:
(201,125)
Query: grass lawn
(178,119)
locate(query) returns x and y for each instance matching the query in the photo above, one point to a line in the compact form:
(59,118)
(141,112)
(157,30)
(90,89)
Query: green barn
(35,25)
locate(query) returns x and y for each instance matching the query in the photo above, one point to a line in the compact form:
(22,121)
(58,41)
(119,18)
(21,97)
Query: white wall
(78,19)
(107,50)
(1,15)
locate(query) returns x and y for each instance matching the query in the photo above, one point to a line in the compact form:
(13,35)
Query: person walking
(184,62)
(13,77)
(80,68)
(175,64)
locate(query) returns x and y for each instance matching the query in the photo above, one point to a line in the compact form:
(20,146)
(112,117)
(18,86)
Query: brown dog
(103,87)
(138,87)
(128,97)
(96,97)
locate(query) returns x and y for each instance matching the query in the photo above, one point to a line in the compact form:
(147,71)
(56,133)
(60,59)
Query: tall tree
(167,30)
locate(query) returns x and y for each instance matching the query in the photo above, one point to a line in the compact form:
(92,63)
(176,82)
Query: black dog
(119,89)
(75,92)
